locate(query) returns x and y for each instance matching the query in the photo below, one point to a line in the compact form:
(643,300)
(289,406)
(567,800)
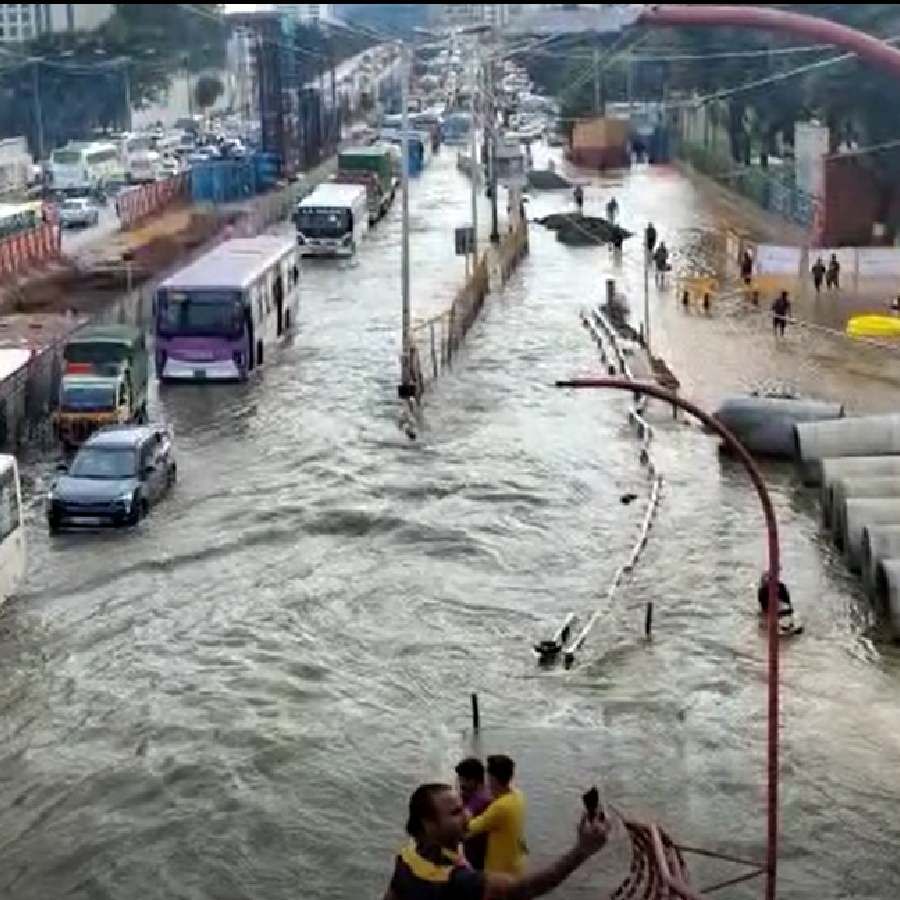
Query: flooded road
(235,700)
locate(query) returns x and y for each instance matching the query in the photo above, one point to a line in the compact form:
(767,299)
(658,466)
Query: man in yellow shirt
(503,821)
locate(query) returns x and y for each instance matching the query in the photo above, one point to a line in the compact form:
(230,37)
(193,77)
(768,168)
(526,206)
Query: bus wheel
(259,353)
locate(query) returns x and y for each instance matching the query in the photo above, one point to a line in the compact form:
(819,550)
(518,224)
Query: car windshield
(102,462)
(214,313)
(85,397)
(323,223)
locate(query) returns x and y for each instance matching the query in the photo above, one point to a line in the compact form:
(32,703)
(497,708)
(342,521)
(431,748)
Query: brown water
(235,699)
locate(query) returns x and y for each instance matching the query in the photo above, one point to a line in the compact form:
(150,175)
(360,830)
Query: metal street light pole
(38,112)
(126,75)
(492,144)
(476,169)
(406,387)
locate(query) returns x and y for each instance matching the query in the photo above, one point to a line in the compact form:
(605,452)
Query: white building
(309,13)
(20,22)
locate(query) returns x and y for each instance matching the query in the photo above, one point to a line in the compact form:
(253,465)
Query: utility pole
(596,81)
(127,78)
(647,300)
(407,389)
(476,169)
(38,112)
(492,155)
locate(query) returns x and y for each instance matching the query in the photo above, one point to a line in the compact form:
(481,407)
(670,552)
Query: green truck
(104,382)
(374,160)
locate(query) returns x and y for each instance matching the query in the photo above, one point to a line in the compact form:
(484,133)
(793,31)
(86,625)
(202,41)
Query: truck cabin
(105,346)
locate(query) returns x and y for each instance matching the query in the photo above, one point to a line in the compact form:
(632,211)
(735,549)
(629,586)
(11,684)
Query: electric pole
(596,82)
(492,145)
(127,79)
(38,113)
(476,169)
(407,389)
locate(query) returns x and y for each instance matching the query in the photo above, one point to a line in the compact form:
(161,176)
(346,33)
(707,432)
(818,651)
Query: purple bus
(218,318)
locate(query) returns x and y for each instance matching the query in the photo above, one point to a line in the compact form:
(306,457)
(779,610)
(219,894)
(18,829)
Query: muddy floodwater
(235,699)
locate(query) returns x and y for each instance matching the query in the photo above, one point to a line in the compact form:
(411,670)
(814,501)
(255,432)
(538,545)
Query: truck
(104,381)
(375,160)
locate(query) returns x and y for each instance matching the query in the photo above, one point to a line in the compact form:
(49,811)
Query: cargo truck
(375,160)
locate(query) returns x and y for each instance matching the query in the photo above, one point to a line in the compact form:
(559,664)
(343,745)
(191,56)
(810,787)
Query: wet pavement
(235,699)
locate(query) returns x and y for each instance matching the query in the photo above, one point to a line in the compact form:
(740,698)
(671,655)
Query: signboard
(465,240)
(878,262)
(774,260)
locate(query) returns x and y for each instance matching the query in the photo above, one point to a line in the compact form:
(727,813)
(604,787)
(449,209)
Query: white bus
(218,318)
(12,529)
(81,166)
(332,220)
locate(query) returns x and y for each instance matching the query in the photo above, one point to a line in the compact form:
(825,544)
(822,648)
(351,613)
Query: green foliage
(207,90)
(86,76)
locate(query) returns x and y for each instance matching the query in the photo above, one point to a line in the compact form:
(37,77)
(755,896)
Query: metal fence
(435,342)
(136,204)
(24,251)
(773,190)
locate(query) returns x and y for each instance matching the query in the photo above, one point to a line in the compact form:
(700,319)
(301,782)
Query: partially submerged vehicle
(104,383)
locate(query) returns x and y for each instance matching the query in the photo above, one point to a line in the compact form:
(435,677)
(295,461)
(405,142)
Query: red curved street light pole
(869,48)
(735,446)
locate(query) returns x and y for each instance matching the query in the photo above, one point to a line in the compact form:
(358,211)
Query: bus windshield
(320,222)
(67,157)
(112,463)
(87,397)
(216,313)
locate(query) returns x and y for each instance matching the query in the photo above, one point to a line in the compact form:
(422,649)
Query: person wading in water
(781,309)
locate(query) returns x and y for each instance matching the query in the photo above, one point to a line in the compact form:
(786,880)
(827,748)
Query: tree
(207,90)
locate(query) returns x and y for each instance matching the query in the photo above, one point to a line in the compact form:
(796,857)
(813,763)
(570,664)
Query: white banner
(879,262)
(774,260)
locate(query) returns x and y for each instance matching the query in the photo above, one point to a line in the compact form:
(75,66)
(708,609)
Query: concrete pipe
(859,436)
(765,425)
(887,593)
(853,516)
(879,542)
(839,490)
(859,467)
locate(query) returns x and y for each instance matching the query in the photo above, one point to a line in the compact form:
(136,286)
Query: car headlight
(125,500)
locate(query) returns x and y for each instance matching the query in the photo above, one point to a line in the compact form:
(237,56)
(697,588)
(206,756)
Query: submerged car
(114,479)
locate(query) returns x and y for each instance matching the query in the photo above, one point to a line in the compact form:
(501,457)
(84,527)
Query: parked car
(78,211)
(114,479)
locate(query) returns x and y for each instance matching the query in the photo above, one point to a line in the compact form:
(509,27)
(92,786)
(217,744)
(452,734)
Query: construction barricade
(29,249)
(135,204)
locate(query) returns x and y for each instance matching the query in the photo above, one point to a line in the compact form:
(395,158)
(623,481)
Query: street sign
(465,240)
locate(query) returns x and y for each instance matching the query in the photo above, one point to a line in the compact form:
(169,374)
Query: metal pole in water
(476,716)
(475,169)
(648,621)
(406,389)
(647,300)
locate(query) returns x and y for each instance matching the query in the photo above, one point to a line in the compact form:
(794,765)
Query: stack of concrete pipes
(856,464)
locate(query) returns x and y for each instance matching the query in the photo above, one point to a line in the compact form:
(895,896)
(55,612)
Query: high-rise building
(21,22)
(308,13)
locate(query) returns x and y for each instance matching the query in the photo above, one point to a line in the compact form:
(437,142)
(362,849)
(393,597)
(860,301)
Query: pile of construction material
(856,464)
(583,231)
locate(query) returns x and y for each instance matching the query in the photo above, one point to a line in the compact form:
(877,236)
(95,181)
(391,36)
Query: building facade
(22,22)
(309,13)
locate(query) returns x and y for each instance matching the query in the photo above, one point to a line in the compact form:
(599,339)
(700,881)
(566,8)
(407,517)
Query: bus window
(10,519)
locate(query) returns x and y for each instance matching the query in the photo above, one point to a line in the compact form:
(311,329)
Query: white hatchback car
(79,211)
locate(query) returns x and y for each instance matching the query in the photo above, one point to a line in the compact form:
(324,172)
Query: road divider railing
(606,339)
(27,250)
(435,342)
(135,204)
